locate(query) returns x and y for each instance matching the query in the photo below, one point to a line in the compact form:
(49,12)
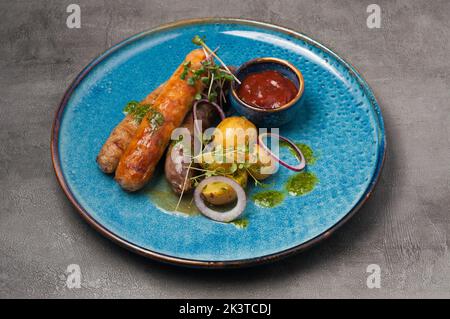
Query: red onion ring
(194,111)
(301,165)
(224,217)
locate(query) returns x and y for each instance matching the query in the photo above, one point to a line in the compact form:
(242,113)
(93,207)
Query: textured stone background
(404,227)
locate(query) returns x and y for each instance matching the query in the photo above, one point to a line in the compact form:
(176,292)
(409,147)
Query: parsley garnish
(137,110)
(155,118)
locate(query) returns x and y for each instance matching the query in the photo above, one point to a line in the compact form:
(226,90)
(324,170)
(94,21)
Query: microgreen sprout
(184,187)
(197,40)
(213,76)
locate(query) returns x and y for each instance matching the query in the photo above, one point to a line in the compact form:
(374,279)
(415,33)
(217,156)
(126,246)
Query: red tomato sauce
(267,89)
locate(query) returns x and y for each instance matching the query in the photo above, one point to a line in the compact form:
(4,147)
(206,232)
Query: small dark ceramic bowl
(268,117)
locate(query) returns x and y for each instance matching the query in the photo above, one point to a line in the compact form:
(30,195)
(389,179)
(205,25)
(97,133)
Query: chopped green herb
(205,79)
(191,81)
(200,71)
(130,107)
(186,66)
(155,118)
(137,110)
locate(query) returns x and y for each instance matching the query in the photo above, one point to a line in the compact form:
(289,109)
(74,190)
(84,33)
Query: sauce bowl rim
(300,89)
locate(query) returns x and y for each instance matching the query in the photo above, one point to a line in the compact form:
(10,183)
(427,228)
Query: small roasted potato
(214,158)
(261,163)
(234,132)
(241,177)
(219,193)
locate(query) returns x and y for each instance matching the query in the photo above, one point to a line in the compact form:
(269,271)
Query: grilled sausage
(175,167)
(120,137)
(137,164)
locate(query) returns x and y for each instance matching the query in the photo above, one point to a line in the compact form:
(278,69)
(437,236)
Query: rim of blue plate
(54,141)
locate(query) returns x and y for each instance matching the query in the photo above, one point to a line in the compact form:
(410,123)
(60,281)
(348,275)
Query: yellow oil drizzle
(165,199)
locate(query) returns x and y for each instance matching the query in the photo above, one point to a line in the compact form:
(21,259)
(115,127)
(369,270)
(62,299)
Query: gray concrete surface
(404,227)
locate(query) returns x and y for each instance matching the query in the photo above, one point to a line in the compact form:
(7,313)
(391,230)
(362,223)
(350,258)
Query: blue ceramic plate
(340,121)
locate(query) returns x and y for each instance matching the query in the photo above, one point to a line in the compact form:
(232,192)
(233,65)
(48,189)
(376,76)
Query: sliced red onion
(227,216)
(206,101)
(297,168)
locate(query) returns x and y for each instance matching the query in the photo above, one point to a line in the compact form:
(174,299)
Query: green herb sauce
(139,111)
(240,223)
(269,199)
(301,183)
(305,149)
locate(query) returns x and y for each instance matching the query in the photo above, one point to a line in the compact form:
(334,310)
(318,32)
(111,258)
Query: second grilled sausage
(120,137)
(138,163)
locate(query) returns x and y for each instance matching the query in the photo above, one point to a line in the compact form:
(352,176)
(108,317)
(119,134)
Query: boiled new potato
(214,159)
(219,193)
(241,177)
(230,144)
(234,132)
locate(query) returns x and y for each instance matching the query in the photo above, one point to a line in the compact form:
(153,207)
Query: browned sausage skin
(139,160)
(120,137)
